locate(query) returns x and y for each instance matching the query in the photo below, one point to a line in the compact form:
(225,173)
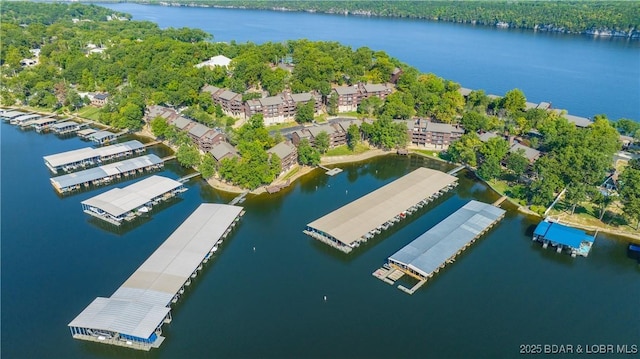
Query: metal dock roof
(93,174)
(140,305)
(119,201)
(83,154)
(62,125)
(350,222)
(561,234)
(428,252)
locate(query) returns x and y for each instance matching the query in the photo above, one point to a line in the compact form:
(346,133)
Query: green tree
(629,181)
(304,112)
(322,142)
(308,155)
(490,168)
(517,162)
(514,101)
(188,155)
(332,105)
(464,149)
(159,126)
(353,136)
(495,148)
(207,166)
(473,121)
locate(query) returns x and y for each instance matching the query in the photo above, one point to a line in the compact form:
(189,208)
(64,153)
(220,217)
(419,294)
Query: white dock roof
(429,251)
(119,201)
(350,222)
(83,154)
(140,305)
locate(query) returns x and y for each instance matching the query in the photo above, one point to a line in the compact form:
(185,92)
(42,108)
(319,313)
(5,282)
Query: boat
(143,209)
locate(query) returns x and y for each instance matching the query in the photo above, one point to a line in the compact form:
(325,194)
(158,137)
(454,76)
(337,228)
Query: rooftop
(93,174)
(578,121)
(99,135)
(222,149)
(530,153)
(349,223)
(119,201)
(433,248)
(282,149)
(63,158)
(346,90)
(375,87)
(561,234)
(140,305)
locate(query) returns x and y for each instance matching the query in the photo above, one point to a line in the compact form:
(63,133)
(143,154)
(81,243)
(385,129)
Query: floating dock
(7,116)
(43,124)
(104,137)
(121,205)
(86,157)
(106,174)
(440,245)
(84,134)
(65,128)
(360,220)
(24,118)
(133,316)
(564,238)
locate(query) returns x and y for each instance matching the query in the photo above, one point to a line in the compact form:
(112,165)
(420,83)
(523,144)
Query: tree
(473,121)
(465,148)
(495,148)
(575,194)
(308,155)
(322,142)
(332,105)
(489,169)
(188,155)
(353,136)
(629,181)
(514,101)
(517,162)
(207,166)
(159,126)
(304,111)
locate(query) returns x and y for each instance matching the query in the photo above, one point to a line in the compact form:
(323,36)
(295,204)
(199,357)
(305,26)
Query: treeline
(30,12)
(560,16)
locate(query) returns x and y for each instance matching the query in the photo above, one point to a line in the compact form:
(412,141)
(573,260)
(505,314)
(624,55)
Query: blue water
(585,75)
(268,303)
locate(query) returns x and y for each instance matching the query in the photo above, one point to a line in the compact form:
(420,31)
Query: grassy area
(345,151)
(92,113)
(291,173)
(281,126)
(430,153)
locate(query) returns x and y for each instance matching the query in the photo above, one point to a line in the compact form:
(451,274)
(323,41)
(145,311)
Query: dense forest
(141,65)
(616,18)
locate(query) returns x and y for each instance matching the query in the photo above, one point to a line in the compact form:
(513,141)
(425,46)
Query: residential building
(288,154)
(230,102)
(99,99)
(204,137)
(423,132)
(531,154)
(219,60)
(223,150)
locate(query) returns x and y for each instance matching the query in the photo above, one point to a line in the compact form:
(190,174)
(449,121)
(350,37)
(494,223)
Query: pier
(7,116)
(188,177)
(357,222)
(106,174)
(331,171)
(84,134)
(104,137)
(86,157)
(425,256)
(563,238)
(134,314)
(239,198)
(454,171)
(18,120)
(121,205)
(43,124)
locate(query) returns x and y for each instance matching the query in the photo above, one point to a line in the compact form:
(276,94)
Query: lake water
(502,292)
(585,75)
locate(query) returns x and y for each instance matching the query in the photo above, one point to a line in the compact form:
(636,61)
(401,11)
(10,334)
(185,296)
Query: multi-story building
(288,154)
(423,132)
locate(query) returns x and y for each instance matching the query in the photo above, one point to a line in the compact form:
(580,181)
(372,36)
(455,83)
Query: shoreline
(334,160)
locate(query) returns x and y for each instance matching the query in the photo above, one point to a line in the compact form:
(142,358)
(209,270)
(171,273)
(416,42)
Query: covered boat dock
(65,128)
(86,157)
(440,245)
(102,137)
(125,204)
(134,315)
(105,174)
(360,220)
(10,115)
(573,240)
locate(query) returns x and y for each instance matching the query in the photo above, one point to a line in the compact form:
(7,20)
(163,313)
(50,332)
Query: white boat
(143,209)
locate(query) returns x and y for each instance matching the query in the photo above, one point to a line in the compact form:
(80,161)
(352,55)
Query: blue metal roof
(561,234)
